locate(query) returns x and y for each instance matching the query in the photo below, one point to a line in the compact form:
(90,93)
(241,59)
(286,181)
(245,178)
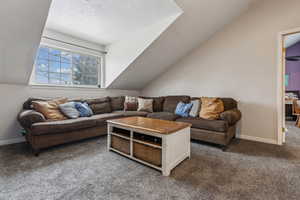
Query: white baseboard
(257,139)
(12,141)
(244,137)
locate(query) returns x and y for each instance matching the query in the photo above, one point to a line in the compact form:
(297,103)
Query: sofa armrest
(28,117)
(231,116)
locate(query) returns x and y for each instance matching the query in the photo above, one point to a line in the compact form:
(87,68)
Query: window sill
(61,87)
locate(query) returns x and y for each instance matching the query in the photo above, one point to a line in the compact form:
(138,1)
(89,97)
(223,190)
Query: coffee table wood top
(148,124)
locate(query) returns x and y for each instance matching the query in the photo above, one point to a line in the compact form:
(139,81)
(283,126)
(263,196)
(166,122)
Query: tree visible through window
(59,67)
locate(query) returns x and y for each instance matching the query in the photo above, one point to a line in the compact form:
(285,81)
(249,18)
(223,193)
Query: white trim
(257,139)
(36,85)
(12,141)
(280,90)
(70,48)
(280,85)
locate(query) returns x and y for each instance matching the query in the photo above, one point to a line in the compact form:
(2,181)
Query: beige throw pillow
(50,109)
(145,105)
(211,108)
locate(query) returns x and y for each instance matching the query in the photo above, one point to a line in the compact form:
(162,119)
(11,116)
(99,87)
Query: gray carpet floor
(86,170)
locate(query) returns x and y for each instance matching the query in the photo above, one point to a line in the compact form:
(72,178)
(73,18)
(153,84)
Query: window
(55,66)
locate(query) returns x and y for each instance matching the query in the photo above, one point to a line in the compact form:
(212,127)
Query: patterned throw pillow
(69,110)
(83,109)
(211,108)
(145,105)
(130,104)
(50,109)
(183,109)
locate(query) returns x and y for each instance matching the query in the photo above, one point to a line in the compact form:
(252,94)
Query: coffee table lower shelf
(159,151)
(136,159)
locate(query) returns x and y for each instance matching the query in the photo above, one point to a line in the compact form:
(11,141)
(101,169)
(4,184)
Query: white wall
(240,62)
(22,24)
(13,97)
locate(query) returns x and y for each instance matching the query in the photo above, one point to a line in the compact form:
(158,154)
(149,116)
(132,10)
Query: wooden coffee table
(157,143)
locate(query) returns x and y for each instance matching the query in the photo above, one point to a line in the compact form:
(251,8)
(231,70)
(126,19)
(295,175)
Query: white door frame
(281,86)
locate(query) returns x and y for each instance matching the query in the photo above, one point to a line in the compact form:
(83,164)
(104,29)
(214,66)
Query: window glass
(59,67)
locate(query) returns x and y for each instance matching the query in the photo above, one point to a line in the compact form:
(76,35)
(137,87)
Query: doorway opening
(289,86)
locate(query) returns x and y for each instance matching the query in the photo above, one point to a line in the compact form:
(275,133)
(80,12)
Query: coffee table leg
(165,170)
(108,137)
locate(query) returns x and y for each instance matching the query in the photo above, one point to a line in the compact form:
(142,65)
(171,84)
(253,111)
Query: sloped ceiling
(121,54)
(105,21)
(200,20)
(21,25)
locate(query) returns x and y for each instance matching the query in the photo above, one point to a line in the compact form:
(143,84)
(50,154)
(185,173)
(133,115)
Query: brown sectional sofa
(41,133)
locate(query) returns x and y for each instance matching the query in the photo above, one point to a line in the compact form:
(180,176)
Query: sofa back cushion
(229,103)
(99,105)
(117,103)
(171,102)
(157,103)
(50,109)
(27,105)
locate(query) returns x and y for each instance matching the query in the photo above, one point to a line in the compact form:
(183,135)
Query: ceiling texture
(105,21)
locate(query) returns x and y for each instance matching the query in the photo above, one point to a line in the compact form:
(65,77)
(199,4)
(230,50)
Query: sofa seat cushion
(211,125)
(101,118)
(132,113)
(50,127)
(163,115)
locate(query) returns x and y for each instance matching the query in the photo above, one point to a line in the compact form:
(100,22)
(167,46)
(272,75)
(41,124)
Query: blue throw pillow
(83,109)
(183,109)
(69,110)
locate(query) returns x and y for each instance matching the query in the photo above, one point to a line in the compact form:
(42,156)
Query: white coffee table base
(175,147)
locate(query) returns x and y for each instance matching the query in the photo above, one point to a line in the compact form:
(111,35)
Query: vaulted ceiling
(144,38)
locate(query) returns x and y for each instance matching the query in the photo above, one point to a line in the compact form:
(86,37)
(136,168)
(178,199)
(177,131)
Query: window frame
(73,50)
